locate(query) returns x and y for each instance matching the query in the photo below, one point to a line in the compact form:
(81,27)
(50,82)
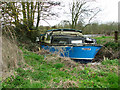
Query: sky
(109,12)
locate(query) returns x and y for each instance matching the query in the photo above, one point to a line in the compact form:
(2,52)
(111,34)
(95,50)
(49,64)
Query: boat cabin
(65,37)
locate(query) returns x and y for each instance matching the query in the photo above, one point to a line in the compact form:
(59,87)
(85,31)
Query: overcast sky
(109,12)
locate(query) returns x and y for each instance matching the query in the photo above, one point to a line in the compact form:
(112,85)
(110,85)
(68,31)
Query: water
(92,35)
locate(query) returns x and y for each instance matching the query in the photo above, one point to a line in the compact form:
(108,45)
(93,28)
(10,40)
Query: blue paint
(74,52)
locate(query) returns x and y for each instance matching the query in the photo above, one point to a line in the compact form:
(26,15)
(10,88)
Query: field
(52,71)
(38,72)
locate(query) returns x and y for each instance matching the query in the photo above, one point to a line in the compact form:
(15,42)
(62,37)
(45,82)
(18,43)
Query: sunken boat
(69,43)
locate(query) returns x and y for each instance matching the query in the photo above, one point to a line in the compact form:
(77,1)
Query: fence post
(116,36)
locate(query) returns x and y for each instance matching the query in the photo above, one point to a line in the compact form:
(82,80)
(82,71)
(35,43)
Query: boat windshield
(62,41)
(70,33)
(67,33)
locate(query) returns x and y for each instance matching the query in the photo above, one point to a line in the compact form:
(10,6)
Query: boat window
(60,41)
(48,37)
(76,41)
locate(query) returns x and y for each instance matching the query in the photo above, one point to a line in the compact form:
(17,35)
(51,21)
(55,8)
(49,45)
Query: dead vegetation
(68,84)
(11,56)
(108,52)
(53,58)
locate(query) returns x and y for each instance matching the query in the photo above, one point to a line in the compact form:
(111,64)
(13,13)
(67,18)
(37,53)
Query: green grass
(110,62)
(39,73)
(103,39)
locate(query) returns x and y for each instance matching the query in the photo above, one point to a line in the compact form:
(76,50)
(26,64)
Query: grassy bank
(56,72)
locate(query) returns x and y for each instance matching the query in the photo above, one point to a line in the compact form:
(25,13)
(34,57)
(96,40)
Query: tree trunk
(24,12)
(38,17)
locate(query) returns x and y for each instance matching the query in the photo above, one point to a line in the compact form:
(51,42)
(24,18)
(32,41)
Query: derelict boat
(69,43)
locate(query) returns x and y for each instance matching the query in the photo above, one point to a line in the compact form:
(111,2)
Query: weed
(110,62)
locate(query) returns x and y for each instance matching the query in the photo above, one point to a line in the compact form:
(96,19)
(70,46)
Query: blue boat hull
(74,52)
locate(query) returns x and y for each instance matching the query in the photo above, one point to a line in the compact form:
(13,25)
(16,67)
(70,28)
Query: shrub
(110,50)
(113,45)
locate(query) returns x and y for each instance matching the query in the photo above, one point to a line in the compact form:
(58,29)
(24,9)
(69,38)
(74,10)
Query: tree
(80,10)
(64,24)
(26,16)
(29,10)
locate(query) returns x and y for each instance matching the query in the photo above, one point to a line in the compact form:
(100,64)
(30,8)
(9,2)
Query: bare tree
(80,10)
(64,24)
(28,13)
(26,16)
(25,12)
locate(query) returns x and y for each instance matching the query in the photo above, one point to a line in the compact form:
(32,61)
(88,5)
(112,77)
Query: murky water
(92,35)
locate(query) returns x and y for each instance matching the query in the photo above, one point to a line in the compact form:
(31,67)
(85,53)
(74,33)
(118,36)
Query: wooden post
(116,36)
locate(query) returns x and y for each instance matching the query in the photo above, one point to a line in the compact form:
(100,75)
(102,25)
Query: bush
(113,45)
(109,50)
(24,33)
